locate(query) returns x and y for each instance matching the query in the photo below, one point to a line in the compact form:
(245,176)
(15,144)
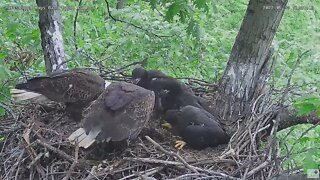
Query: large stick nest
(35,146)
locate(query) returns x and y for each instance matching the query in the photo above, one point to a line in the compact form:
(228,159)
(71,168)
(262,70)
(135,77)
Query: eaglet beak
(166,125)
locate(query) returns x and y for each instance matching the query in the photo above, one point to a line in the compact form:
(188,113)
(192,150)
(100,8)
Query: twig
(214,161)
(148,173)
(7,131)
(195,80)
(39,168)
(301,136)
(74,164)
(154,161)
(258,168)
(17,164)
(143,173)
(191,176)
(55,150)
(92,174)
(15,117)
(272,137)
(131,24)
(170,153)
(35,160)
(75,26)
(126,66)
(291,74)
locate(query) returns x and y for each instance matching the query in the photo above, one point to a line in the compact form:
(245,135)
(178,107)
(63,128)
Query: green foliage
(180,8)
(167,46)
(305,149)
(298,32)
(213,25)
(173,10)
(310,159)
(308,104)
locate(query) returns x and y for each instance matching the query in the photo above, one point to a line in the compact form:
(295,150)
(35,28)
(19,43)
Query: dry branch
(170,153)
(56,151)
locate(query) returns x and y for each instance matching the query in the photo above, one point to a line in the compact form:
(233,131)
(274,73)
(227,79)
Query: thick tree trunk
(50,24)
(246,72)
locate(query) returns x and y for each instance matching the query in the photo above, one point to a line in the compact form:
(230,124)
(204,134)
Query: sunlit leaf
(305,109)
(173,10)
(2,112)
(153,3)
(201,4)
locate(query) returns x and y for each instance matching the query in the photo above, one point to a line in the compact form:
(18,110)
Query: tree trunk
(50,24)
(121,4)
(247,69)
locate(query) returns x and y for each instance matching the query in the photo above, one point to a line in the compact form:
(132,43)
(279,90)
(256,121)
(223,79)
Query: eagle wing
(119,113)
(66,86)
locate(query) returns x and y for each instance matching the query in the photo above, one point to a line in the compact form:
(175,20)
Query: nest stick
(170,153)
(55,150)
(74,164)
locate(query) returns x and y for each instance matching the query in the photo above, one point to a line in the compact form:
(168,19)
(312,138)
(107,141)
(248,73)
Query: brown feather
(122,120)
(77,88)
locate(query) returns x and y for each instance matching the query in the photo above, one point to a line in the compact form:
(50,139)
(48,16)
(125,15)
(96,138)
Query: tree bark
(50,24)
(246,72)
(290,118)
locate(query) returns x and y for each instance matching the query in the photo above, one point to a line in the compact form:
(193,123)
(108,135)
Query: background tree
(51,27)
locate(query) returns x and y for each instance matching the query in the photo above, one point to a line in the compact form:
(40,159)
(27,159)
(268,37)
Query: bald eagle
(76,88)
(118,114)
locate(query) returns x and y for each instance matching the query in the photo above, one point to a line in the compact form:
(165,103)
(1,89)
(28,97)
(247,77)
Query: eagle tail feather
(22,95)
(84,140)
(106,84)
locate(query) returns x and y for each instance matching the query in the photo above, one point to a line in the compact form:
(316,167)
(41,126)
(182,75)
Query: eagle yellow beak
(166,125)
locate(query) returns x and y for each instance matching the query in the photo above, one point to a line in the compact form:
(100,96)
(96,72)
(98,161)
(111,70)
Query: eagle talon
(166,125)
(180,144)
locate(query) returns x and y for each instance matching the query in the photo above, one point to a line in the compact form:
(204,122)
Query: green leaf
(153,3)
(182,16)
(2,112)
(130,1)
(310,162)
(194,29)
(35,34)
(201,4)
(305,109)
(3,55)
(173,10)
(12,27)
(304,139)
(4,73)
